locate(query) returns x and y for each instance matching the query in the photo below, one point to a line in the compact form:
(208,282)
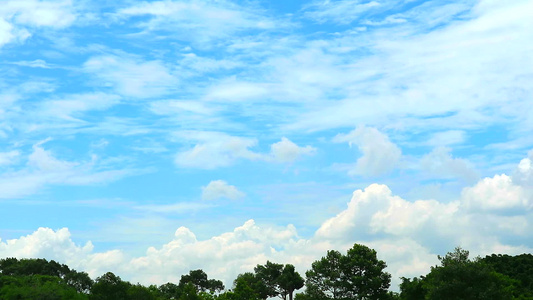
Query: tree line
(357,274)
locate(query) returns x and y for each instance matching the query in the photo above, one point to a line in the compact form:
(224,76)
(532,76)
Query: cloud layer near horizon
(407,235)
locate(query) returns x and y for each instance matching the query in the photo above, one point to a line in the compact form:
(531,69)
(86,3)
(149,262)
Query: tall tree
(289,281)
(356,275)
(278,279)
(269,274)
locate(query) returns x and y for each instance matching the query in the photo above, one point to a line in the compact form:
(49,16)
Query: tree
(198,278)
(169,290)
(80,281)
(269,274)
(278,280)
(459,278)
(109,287)
(37,287)
(519,267)
(289,281)
(356,275)
(248,286)
(412,289)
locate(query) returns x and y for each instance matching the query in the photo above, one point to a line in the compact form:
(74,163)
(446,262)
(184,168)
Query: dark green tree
(169,290)
(248,286)
(289,281)
(37,287)
(80,281)
(356,275)
(412,289)
(460,278)
(519,267)
(198,278)
(269,274)
(278,280)
(109,287)
(139,292)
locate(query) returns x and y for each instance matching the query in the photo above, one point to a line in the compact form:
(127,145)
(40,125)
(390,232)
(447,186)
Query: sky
(150,138)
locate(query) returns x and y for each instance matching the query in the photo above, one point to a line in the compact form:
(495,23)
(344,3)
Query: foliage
(109,287)
(458,277)
(37,287)
(198,278)
(519,268)
(356,275)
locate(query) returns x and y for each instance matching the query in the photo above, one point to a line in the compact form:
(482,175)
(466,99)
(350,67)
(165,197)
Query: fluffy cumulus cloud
(286,151)
(217,189)
(379,154)
(524,172)
(499,195)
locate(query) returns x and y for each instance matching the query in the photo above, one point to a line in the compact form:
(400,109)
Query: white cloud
(197,21)
(380,155)
(132,77)
(19,17)
(424,79)
(177,208)
(524,172)
(54,13)
(286,151)
(8,158)
(441,164)
(217,189)
(498,194)
(70,106)
(342,12)
(446,138)
(214,149)
(38,63)
(43,168)
(181,107)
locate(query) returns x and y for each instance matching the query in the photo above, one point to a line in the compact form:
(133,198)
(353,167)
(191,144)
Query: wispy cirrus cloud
(43,169)
(199,22)
(132,77)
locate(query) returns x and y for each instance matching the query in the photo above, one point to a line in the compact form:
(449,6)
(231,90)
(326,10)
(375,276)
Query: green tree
(356,275)
(109,287)
(519,267)
(460,278)
(139,292)
(40,287)
(169,290)
(199,279)
(278,280)
(80,281)
(289,281)
(248,286)
(412,289)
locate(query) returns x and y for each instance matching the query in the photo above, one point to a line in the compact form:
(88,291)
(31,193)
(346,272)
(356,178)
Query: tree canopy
(357,275)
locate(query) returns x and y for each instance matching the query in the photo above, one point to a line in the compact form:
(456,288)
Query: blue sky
(153,137)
